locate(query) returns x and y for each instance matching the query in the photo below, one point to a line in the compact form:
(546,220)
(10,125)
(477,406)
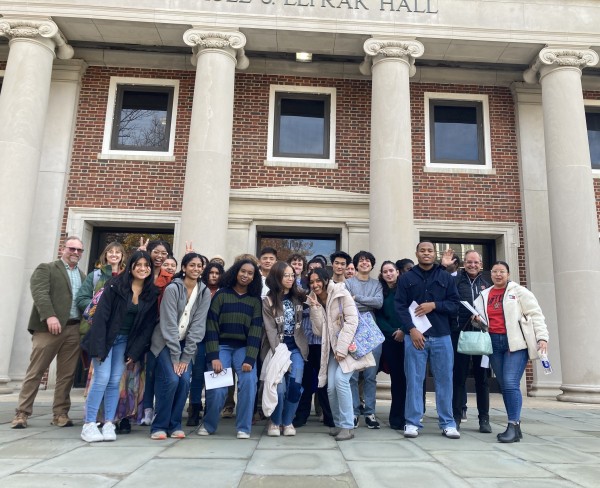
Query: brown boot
(20,421)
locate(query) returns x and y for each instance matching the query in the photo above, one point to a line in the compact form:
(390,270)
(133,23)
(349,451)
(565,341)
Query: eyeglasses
(289,275)
(472,262)
(160,253)
(75,249)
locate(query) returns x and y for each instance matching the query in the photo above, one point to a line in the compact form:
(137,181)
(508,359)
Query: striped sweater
(236,321)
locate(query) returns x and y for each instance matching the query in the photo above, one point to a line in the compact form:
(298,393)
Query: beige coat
(517,301)
(337,330)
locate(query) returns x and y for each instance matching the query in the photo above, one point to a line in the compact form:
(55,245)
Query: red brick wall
(250,128)
(595,95)
(125,184)
(159,185)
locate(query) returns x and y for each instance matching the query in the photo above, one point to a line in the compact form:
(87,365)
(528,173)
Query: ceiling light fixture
(304,57)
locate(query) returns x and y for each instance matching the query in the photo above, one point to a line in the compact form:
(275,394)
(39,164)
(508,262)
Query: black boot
(510,435)
(484,425)
(519,433)
(457,422)
(194,415)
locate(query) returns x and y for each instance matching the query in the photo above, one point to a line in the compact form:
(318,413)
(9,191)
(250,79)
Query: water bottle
(545,363)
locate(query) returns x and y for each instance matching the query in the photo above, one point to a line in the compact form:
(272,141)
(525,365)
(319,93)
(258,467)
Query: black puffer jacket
(111,311)
(468,291)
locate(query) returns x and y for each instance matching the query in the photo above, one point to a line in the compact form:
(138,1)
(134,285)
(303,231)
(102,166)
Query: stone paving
(560,448)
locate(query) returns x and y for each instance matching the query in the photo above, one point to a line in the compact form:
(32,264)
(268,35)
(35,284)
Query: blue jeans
(370,385)
(149,384)
(246,392)
(509,368)
(105,382)
(441,358)
(289,391)
(340,394)
(171,393)
(198,370)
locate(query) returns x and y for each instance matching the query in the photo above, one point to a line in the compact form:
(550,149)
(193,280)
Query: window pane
(456,133)
(593,130)
(302,126)
(306,246)
(143,120)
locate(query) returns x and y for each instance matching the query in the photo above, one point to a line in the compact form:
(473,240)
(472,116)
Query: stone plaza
(560,448)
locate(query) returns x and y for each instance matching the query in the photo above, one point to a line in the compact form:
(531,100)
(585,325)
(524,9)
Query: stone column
(573,220)
(33,45)
(392,231)
(50,193)
(536,226)
(205,210)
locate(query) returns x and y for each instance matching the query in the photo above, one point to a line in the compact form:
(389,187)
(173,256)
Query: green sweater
(234,320)
(386,317)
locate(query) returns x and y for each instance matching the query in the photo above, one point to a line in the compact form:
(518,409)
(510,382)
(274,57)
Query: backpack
(90,310)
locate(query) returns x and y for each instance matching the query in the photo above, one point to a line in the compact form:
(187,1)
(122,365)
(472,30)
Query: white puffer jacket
(517,301)
(337,336)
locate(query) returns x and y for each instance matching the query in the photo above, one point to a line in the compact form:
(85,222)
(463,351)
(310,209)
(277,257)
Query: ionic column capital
(379,48)
(230,42)
(37,30)
(551,58)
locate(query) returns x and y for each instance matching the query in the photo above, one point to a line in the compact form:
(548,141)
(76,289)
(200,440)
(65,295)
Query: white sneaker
(90,433)
(451,433)
(411,431)
(289,430)
(148,414)
(108,432)
(202,431)
(273,430)
(243,435)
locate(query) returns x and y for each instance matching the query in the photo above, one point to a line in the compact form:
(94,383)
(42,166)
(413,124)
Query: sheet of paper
(485,361)
(213,380)
(472,309)
(421,323)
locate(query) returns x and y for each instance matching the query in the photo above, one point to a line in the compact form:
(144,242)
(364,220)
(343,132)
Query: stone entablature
(517,21)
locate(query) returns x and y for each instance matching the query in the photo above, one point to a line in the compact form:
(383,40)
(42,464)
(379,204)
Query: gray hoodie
(171,309)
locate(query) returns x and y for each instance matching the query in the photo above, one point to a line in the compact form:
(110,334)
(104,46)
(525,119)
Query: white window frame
(592,103)
(107,152)
(302,162)
(487,138)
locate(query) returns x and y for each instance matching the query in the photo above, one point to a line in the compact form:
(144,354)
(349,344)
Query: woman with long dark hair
(282,315)
(393,347)
(123,323)
(183,312)
(334,317)
(233,333)
(210,277)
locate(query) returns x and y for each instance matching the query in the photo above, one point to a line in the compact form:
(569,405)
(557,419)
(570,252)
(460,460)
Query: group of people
(285,328)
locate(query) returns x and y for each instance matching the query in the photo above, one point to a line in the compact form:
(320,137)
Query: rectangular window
(302,126)
(456,132)
(308,245)
(592,119)
(142,119)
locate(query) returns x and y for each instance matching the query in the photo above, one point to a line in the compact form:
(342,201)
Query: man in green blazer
(54,325)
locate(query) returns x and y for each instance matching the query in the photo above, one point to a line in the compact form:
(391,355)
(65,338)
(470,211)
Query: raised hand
(143,245)
(189,247)
(448,257)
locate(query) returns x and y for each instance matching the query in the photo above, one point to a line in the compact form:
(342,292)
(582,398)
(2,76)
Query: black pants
(393,355)
(311,371)
(462,365)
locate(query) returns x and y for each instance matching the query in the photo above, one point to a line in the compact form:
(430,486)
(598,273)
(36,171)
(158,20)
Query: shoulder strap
(97,274)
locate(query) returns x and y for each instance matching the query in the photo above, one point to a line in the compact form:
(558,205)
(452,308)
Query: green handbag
(475,343)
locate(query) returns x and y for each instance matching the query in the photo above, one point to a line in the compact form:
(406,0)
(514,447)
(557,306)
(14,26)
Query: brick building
(470,123)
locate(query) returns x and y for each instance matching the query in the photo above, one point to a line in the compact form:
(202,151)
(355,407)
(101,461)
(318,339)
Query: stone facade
(383,61)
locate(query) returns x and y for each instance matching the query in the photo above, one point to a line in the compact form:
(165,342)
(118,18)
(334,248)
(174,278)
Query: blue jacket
(436,285)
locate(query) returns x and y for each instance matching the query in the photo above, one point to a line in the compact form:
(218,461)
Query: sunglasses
(75,250)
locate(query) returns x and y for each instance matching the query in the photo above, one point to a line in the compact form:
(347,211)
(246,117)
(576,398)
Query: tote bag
(474,343)
(367,336)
